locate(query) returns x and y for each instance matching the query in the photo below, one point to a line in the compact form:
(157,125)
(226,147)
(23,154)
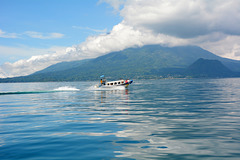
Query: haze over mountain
(151,61)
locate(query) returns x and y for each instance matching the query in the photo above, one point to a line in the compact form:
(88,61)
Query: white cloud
(7,35)
(26,51)
(90,29)
(228,46)
(184,18)
(35,63)
(123,36)
(31,34)
(41,59)
(39,35)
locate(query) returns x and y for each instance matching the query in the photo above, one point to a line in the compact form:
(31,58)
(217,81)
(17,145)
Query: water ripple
(161,119)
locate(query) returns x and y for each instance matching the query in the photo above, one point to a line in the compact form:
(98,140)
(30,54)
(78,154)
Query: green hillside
(209,68)
(152,61)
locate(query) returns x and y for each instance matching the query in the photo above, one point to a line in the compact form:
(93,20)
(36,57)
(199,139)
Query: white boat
(111,84)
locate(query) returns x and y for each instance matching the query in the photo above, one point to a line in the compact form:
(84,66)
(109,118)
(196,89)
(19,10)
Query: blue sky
(35,34)
(33,23)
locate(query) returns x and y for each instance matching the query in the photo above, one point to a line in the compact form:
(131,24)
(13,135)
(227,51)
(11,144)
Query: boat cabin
(112,83)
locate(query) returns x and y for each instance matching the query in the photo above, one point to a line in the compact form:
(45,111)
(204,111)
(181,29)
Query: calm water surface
(154,119)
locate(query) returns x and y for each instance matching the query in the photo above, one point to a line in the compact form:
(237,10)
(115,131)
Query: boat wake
(60,89)
(66,88)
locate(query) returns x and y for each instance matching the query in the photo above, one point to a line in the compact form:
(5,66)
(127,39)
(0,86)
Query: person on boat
(101,81)
(104,81)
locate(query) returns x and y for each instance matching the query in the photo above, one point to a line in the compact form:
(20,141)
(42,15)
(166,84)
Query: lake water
(154,119)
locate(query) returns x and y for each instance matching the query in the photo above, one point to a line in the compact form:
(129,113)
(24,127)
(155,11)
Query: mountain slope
(150,61)
(149,57)
(209,68)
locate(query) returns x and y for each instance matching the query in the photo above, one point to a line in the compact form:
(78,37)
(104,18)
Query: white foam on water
(66,88)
